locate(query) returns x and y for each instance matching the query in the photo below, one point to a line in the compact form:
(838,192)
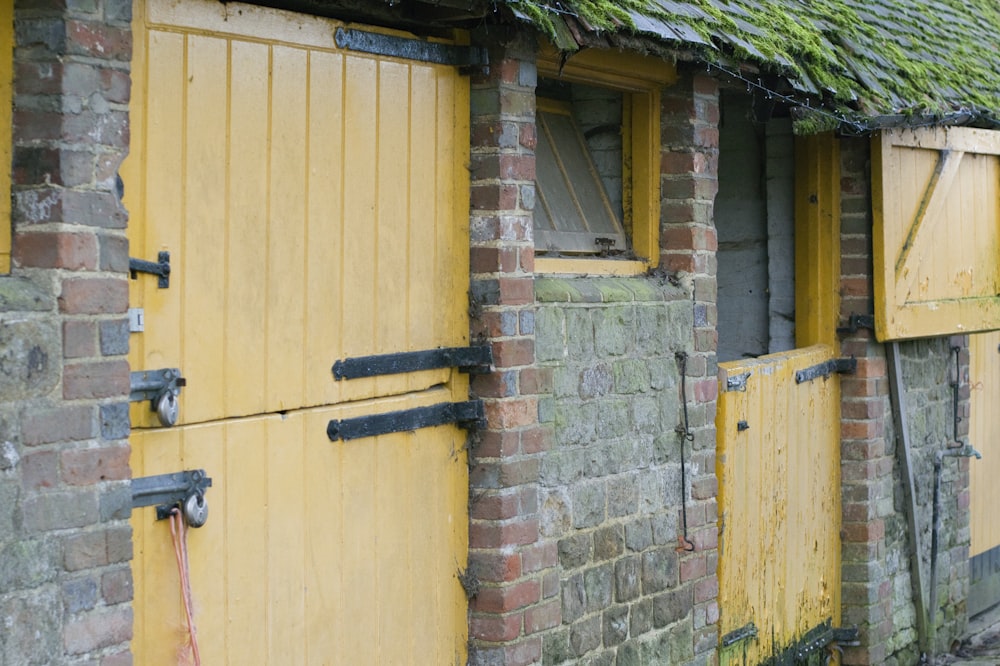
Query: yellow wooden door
(314,202)
(984,491)
(778,463)
(929,279)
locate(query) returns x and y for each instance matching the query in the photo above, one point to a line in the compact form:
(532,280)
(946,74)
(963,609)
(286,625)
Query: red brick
(495,507)
(38,78)
(706,589)
(536,440)
(706,539)
(511,412)
(858,470)
(496,444)
(705,488)
(517,291)
(862,532)
(81,467)
(526,259)
(528,136)
(495,385)
(94,296)
(693,567)
(520,472)
(79,339)
(540,556)
(103,379)
(516,228)
(484,260)
(497,566)
(494,535)
(56,250)
(513,353)
(507,598)
(98,629)
(867,429)
(536,380)
(517,167)
(494,197)
(62,424)
(98,40)
(542,617)
(495,628)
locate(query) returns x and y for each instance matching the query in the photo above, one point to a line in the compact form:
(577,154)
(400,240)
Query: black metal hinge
(166,491)
(468,359)
(467,415)
(161,268)
(855,322)
(745,632)
(841,365)
(411,49)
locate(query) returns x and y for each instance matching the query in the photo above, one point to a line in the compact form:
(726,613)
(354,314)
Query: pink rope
(178,532)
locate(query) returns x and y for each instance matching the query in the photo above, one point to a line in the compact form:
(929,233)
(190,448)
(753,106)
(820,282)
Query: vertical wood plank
(246,245)
(285,286)
(201,279)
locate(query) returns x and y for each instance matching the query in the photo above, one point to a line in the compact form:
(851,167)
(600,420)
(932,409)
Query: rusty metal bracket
(744,633)
(737,382)
(856,322)
(840,365)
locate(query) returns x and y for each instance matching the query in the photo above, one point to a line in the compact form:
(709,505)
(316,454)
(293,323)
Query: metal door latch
(839,365)
(184,491)
(160,267)
(161,388)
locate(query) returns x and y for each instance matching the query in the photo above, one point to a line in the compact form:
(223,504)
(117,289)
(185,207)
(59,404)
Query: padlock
(167,408)
(195,510)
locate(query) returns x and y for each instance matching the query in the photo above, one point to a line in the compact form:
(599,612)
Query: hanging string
(685,435)
(178,532)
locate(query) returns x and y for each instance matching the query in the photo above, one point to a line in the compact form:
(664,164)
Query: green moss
(865,57)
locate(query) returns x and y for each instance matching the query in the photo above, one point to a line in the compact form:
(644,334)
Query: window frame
(641,78)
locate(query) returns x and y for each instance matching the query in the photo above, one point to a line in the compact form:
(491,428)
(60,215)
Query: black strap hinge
(168,490)
(160,268)
(844,366)
(745,632)
(476,359)
(468,415)
(856,322)
(411,49)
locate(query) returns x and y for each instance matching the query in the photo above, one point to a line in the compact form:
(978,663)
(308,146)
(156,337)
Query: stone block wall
(878,546)
(610,487)
(65,500)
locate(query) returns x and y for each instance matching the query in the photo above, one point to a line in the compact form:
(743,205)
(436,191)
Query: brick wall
(878,586)
(65,543)
(575,512)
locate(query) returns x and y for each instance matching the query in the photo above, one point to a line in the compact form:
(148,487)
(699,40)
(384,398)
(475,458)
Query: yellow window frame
(642,78)
(6,128)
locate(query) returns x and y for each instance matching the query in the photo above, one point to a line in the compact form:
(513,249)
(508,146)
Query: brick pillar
(867,444)
(688,242)
(69,264)
(518,594)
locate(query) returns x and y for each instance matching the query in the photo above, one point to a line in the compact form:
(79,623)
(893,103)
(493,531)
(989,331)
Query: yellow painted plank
(242,517)
(394,521)
(154,221)
(6,132)
(246,233)
(200,279)
(817,239)
(287,466)
(392,254)
(324,252)
(285,286)
(984,434)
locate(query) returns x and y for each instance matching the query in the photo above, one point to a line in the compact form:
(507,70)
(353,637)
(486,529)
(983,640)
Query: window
(597,162)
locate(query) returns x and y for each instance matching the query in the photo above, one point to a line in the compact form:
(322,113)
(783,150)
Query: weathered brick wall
(65,543)
(611,485)
(576,491)
(877,546)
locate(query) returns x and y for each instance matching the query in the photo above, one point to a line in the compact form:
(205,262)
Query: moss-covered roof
(869,60)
